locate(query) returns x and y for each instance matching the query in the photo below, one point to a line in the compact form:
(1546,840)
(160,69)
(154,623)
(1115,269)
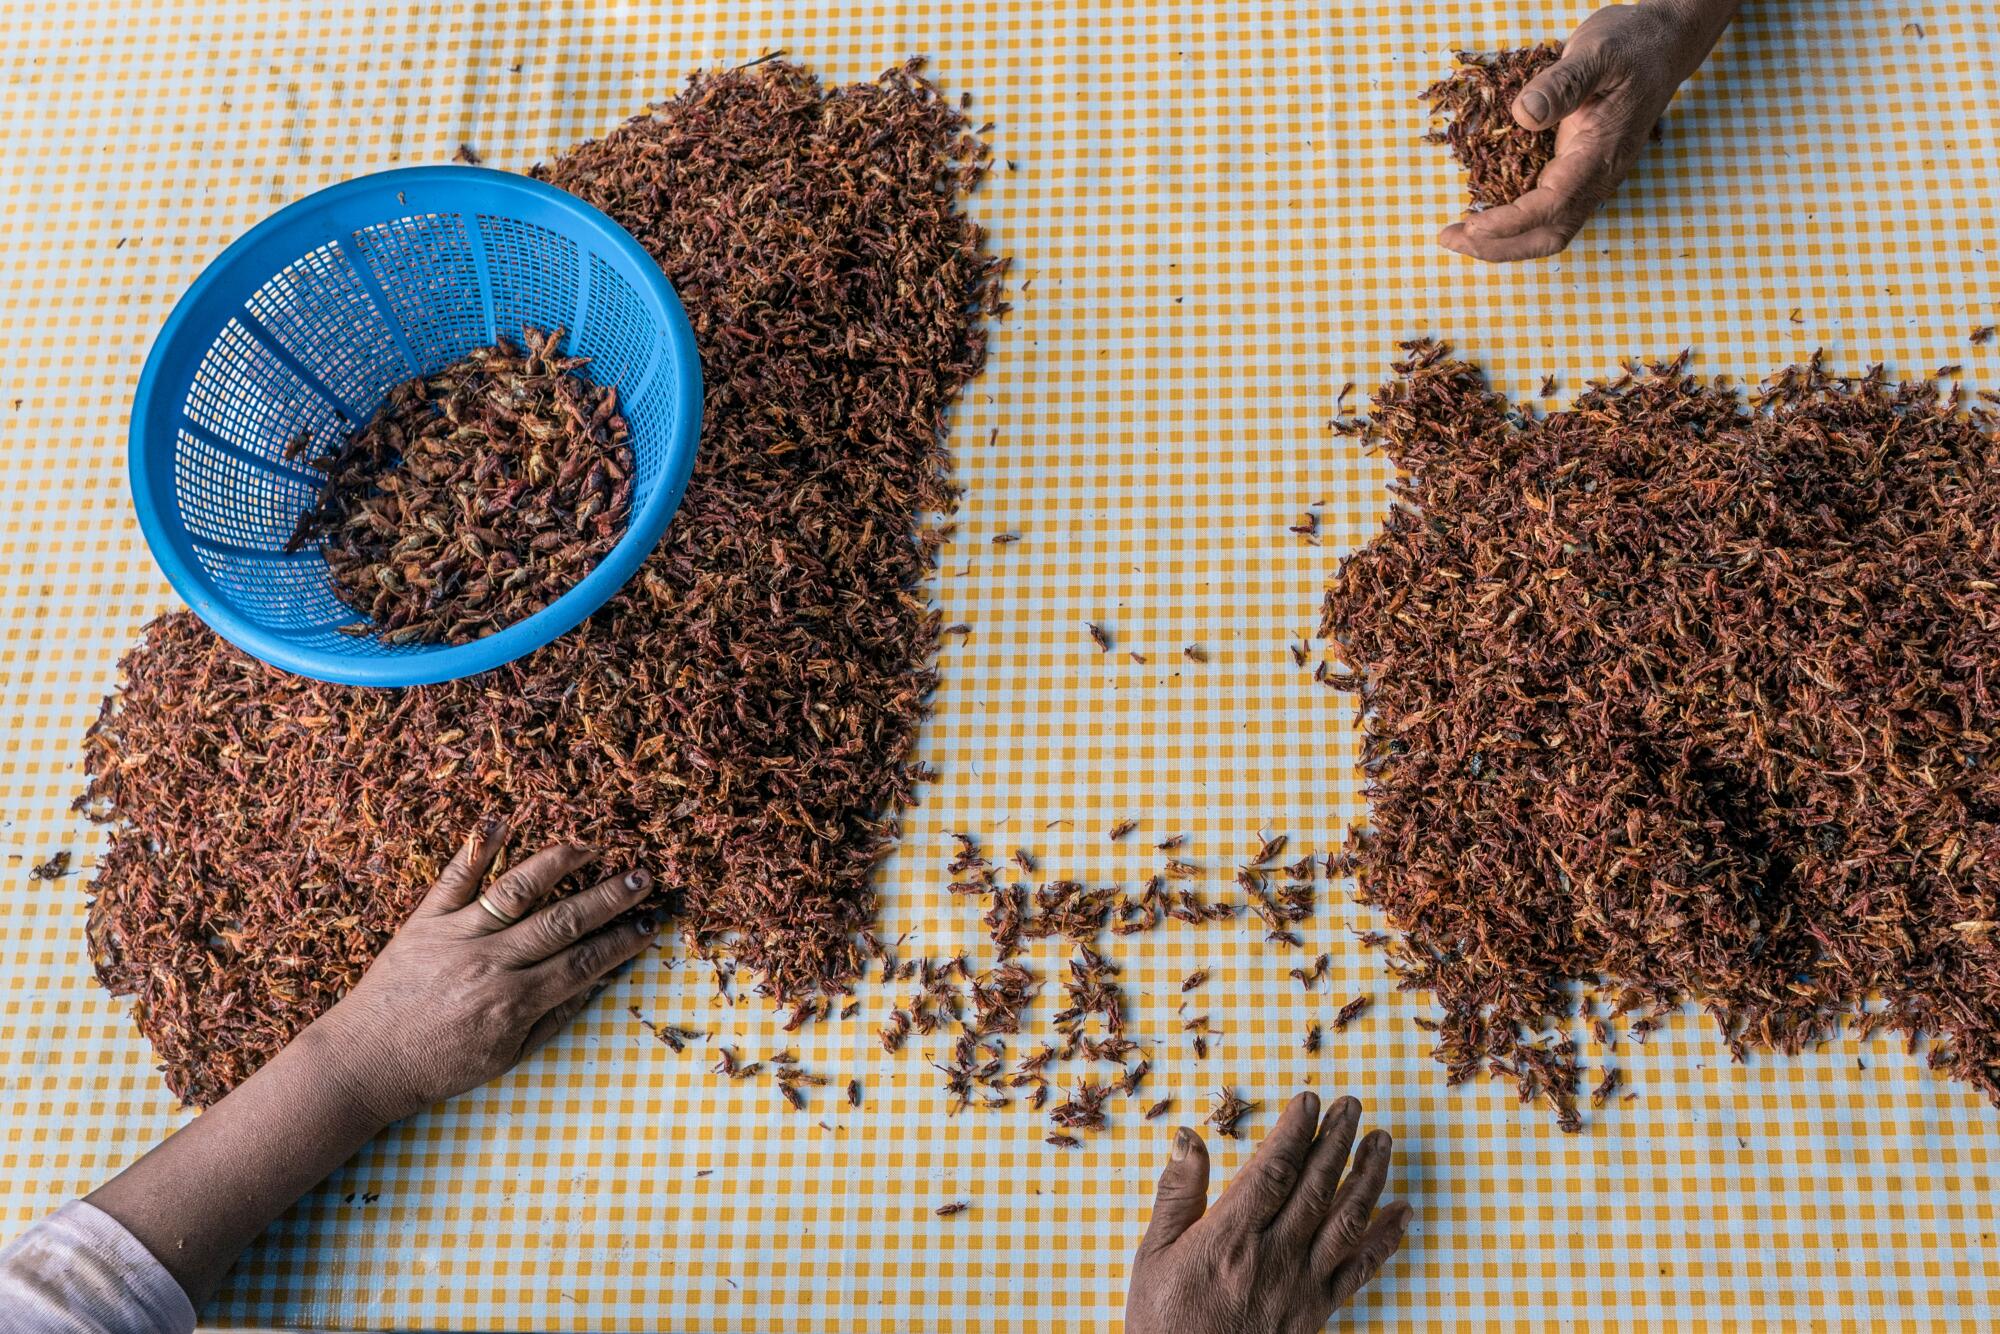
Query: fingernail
(1183,1143)
(1535,104)
(647,926)
(638,880)
(1311,1101)
(1350,1108)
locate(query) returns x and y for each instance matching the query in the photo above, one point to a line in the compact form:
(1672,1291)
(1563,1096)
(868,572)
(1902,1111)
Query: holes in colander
(617,334)
(244,394)
(534,274)
(425,266)
(320,310)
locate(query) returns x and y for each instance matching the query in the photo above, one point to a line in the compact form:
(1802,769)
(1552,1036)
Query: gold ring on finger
(498,916)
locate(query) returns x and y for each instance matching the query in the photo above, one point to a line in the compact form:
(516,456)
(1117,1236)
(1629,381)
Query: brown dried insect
(1843,709)
(1349,1012)
(745,709)
(1502,159)
(1229,1112)
(1307,977)
(475,496)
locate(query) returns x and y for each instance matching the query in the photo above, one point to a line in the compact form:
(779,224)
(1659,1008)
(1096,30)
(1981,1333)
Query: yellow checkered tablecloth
(1220,214)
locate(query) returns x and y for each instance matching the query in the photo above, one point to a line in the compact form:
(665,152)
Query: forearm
(198,1199)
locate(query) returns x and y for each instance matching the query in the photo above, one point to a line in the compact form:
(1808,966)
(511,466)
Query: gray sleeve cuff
(79,1271)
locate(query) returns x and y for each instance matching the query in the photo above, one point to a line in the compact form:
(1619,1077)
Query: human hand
(1618,72)
(1288,1243)
(457,997)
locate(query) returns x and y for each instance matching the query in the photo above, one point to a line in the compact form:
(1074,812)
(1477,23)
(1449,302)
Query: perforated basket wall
(306,323)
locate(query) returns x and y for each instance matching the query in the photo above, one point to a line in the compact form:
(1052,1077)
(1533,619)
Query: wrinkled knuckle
(1275,1178)
(586,961)
(512,887)
(1315,1195)
(1349,1227)
(563,923)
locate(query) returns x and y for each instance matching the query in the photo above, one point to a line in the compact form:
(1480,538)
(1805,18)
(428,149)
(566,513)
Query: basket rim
(153,420)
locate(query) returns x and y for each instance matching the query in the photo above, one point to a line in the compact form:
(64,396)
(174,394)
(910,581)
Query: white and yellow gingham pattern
(1220,214)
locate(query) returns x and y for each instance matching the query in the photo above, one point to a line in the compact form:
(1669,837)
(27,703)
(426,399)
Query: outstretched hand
(1290,1241)
(459,996)
(1618,72)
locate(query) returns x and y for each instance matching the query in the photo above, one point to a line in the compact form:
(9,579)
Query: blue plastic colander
(307,322)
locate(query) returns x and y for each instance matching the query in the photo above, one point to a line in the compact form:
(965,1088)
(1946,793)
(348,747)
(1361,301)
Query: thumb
(1559,89)
(1182,1195)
